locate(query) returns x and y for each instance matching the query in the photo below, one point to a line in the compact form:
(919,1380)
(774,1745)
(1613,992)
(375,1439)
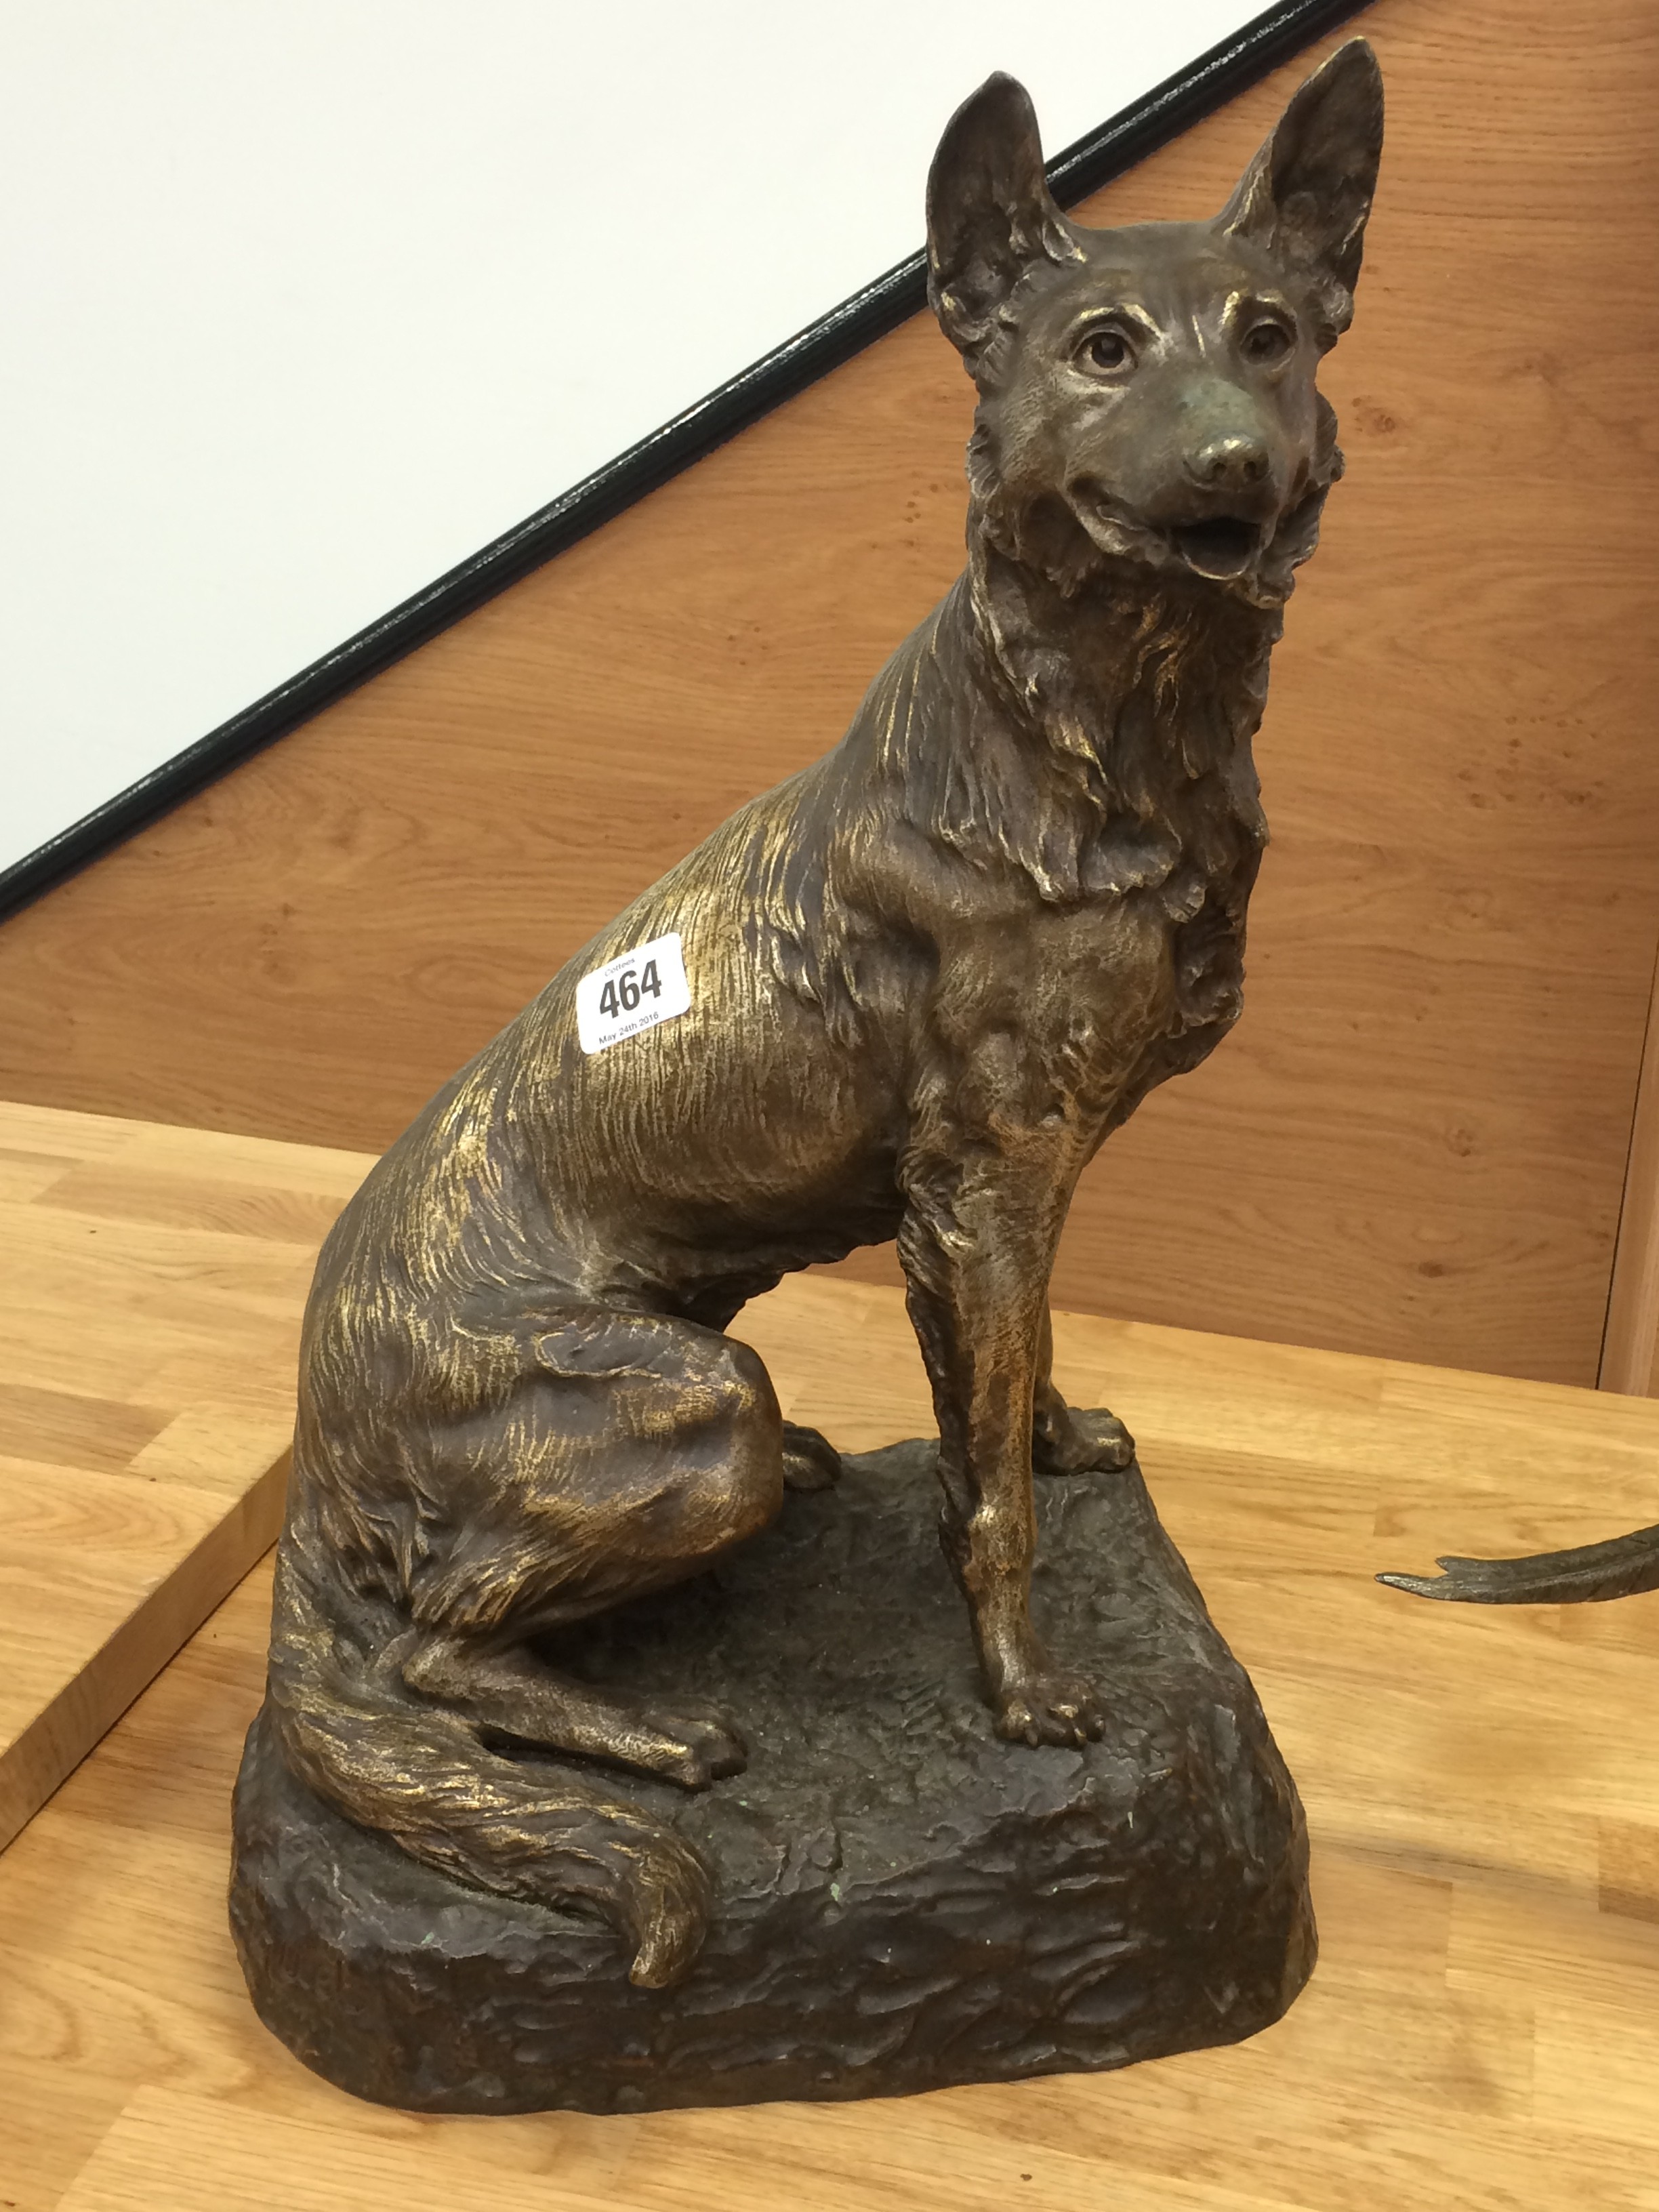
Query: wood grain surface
(1482,2032)
(149,1314)
(1415,1143)
(1629,1356)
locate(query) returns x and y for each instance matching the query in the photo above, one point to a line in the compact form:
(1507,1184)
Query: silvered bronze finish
(1589,1574)
(927,976)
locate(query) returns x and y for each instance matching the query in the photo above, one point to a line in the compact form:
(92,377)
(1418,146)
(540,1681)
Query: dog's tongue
(1220,548)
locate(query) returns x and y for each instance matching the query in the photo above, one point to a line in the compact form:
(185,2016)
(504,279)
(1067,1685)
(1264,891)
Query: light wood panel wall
(1629,1356)
(1416,1142)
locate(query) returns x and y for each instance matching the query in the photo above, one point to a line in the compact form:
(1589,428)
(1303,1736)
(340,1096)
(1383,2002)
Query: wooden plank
(149,1328)
(1480,1786)
(1630,1353)
(1415,1143)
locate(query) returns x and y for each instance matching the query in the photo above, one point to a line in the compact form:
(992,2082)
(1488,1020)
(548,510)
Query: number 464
(622,994)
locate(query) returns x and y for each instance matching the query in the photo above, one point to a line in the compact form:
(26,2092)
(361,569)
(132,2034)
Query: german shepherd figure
(926,977)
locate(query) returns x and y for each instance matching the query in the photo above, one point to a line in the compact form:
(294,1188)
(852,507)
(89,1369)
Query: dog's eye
(1267,341)
(1106,350)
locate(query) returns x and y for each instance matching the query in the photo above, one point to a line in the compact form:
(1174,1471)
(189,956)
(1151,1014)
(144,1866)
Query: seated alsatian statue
(906,994)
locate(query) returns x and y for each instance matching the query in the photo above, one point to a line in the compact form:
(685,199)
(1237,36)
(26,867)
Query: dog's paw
(695,1747)
(1095,1442)
(809,1461)
(1055,1708)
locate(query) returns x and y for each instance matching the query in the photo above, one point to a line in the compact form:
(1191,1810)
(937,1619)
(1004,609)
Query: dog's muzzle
(1221,547)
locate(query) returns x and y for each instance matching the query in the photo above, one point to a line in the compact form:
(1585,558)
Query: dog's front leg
(977,1246)
(1064,1440)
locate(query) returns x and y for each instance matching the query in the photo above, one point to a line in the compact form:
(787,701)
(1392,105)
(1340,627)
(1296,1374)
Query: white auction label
(634,992)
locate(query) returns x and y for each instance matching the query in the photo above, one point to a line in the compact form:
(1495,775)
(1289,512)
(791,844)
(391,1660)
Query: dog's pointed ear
(989,210)
(1307,194)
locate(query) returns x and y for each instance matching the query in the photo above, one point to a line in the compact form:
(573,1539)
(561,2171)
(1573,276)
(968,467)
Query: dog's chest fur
(1091,765)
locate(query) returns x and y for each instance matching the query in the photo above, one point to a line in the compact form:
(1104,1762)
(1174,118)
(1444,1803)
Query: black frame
(1129,137)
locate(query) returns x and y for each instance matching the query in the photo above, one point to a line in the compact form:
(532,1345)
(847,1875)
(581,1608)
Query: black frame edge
(880,307)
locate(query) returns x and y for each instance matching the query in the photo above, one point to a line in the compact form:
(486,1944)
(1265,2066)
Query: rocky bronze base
(905,1900)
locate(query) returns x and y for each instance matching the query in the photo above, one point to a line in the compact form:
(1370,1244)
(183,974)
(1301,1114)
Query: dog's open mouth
(1223,547)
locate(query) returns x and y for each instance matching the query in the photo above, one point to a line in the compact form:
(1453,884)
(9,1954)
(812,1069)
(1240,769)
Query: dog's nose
(1233,462)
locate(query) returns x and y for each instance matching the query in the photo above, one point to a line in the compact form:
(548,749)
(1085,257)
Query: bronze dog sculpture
(923,979)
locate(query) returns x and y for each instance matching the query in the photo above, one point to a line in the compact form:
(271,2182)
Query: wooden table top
(150,1304)
(1482,2032)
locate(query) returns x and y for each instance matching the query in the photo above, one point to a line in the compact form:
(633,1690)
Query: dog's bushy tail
(420,1776)
(1591,1572)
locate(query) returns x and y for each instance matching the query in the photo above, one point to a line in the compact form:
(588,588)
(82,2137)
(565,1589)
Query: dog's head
(1147,394)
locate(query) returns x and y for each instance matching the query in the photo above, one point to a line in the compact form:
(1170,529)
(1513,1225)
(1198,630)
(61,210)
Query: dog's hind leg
(518,1469)
(635,1450)
(811,1461)
(1065,1441)
(512,1693)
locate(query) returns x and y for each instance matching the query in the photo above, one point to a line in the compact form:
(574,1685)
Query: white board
(308,300)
